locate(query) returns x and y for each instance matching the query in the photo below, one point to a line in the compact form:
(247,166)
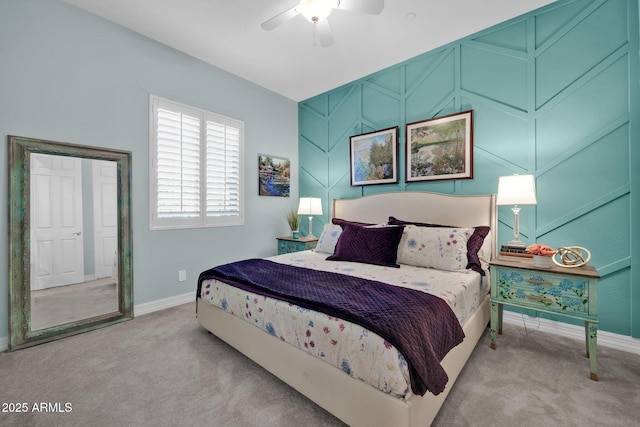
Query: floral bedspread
(352,348)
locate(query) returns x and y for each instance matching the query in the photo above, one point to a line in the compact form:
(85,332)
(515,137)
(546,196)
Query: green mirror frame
(19,155)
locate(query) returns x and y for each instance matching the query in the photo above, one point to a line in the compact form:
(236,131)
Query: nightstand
(562,291)
(288,244)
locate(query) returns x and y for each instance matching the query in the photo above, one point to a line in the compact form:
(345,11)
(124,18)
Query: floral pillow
(478,245)
(442,248)
(328,238)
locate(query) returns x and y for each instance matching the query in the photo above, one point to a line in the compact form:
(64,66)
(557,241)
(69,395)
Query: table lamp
(516,190)
(310,206)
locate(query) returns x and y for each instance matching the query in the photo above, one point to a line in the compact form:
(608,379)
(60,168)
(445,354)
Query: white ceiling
(227,34)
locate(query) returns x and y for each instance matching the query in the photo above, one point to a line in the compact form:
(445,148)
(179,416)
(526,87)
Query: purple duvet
(420,325)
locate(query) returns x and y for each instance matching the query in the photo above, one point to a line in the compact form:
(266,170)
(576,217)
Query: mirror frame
(20,150)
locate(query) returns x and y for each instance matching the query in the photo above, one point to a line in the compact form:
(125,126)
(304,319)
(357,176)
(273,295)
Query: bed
(353,400)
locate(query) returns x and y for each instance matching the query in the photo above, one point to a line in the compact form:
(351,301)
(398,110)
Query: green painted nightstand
(568,292)
(288,244)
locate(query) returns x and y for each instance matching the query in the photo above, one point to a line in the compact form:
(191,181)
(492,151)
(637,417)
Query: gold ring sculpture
(571,256)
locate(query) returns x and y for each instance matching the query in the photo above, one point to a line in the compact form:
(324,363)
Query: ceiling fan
(317,11)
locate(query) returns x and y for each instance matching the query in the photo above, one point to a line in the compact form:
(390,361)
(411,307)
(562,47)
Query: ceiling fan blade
(324,33)
(280,18)
(371,7)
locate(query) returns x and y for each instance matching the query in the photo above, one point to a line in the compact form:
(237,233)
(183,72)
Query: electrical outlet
(182,275)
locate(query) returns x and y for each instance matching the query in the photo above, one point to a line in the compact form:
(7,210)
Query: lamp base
(310,235)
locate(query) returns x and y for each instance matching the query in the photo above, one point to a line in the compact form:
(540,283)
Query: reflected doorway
(74,239)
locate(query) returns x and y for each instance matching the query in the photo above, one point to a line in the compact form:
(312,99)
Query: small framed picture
(374,157)
(440,148)
(274,176)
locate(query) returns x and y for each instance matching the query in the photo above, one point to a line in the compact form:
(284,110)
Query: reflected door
(57,249)
(105,206)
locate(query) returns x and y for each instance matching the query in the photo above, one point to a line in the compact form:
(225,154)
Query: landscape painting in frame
(374,157)
(440,148)
(274,176)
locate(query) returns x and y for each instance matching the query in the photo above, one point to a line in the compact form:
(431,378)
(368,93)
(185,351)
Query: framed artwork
(440,148)
(374,157)
(274,176)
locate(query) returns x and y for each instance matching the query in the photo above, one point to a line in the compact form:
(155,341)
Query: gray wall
(67,75)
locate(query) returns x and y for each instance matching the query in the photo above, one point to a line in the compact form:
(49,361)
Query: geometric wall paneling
(311,184)
(581,110)
(337,97)
(554,93)
(617,56)
(496,73)
(415,69)
(391,80)
(605,231)
(344,112)
(338,157)
(511,143)
(447,187)
(320,106)
(380,106)
(314,161)
(614,294)
(602,167)
(343,190)
(339,167)
(339,131)
(593,35)
(557,16)
(512,37)
(485,174)
(610,131)
(573,213)
(609,246)
(437,86)
(313,127)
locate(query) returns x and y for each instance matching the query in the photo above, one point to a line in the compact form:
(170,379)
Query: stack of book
(514,251)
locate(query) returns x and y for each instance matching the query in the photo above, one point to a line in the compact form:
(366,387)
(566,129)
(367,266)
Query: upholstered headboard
(437,208)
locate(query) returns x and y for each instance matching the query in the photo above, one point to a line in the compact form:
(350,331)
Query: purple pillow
(341,222)
(378,246)
(473,244)
(395,221)
(473,247)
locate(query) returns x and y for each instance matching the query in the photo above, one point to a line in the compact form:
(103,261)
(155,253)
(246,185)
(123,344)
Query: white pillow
(328,238)
(442,248)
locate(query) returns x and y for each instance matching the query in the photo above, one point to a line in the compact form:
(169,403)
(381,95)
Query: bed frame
(351,400)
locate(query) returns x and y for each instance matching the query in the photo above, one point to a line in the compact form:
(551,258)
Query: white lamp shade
(316,10)
(516,190)
(310,206)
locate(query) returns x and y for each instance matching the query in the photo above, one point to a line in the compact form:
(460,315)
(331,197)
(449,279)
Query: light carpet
(162,369)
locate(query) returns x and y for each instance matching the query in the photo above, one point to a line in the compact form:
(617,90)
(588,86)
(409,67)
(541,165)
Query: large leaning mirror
(70,248)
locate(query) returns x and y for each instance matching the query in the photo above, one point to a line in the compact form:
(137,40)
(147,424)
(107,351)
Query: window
(196,167)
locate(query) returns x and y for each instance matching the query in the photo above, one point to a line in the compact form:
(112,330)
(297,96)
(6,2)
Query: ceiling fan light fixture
(316,10)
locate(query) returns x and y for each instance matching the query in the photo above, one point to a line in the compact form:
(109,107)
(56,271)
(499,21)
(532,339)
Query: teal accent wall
(555,93)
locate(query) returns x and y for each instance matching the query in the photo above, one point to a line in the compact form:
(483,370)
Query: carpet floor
(162,369)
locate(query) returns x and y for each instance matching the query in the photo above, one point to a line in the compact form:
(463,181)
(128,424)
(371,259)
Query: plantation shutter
(196,167)
(178,165)
(223,169)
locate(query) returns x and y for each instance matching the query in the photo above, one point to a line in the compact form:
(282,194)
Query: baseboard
(607,339)
(139,310)
(161,304)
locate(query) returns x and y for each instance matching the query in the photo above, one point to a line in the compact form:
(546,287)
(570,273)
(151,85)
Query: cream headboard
(437,208)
